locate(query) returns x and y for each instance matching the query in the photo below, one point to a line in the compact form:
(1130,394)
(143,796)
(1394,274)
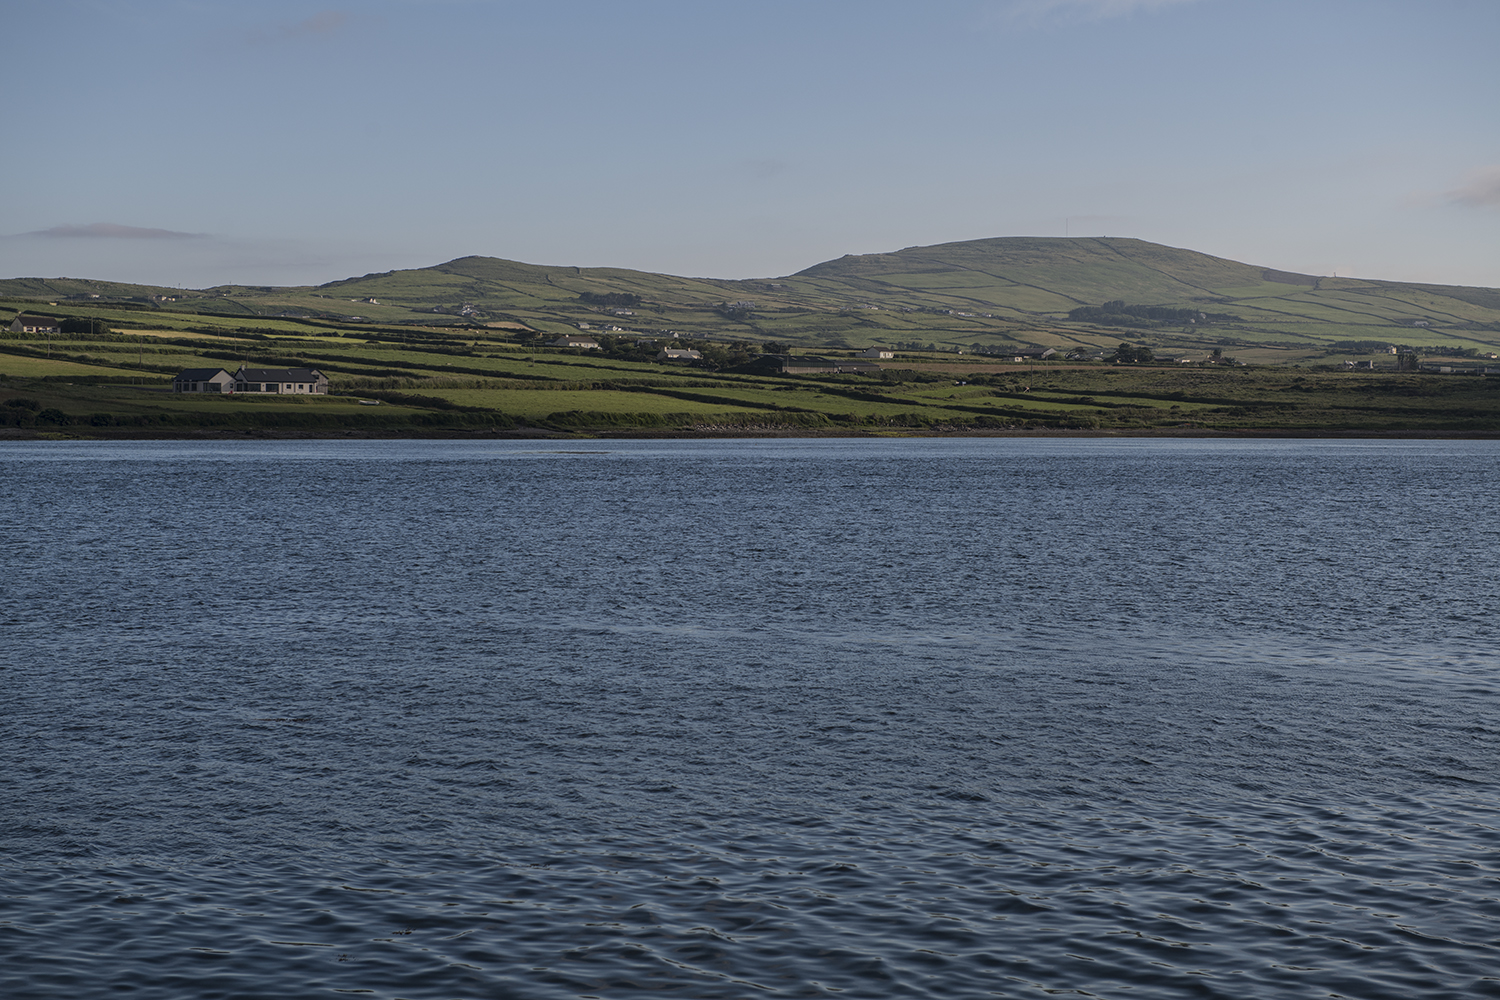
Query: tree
(90,327)
(626,300)
(1126,354)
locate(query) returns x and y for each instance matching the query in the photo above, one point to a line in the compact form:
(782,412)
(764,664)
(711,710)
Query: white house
(876,352)
(214,380)
(35,324)
(1032,354)
(567,340)
(289,381)
(673,354)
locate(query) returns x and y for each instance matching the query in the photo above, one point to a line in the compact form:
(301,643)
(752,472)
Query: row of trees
(619,300)
(1130,355)
(1117,313)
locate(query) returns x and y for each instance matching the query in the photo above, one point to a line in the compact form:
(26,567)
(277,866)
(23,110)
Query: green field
(28,367)
(63,397)
(478,364)
(974,296)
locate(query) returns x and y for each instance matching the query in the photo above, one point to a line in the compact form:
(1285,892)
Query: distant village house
(583,343)
(787,364)
(876,352)
(674,354)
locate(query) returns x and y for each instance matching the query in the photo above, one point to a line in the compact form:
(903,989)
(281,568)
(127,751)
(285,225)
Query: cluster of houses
(289,381)
(590,344)
(812,364)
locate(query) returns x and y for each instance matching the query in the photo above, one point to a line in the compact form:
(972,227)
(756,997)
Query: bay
(910,717)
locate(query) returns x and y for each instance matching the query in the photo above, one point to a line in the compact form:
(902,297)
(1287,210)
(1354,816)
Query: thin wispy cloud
(321,25)
(110,230)
(765,169)
(1480,190)
(1073,11)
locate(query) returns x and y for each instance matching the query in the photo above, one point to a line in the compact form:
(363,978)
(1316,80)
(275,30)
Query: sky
(198,142)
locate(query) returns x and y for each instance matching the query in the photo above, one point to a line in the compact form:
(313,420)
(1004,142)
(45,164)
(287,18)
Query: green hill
(980,295)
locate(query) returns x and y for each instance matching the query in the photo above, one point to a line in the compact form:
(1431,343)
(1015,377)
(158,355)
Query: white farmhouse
(567,340)
(35,324)
(290,381)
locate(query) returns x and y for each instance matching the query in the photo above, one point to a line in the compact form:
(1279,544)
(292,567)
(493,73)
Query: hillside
(978,295)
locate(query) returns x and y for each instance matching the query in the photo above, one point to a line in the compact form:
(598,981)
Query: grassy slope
(447,378)
(1015,290)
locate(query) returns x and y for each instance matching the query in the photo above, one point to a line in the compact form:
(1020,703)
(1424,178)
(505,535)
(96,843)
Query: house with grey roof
(290,381)
(584,343)
(35,324)
(215,380)
(806,364)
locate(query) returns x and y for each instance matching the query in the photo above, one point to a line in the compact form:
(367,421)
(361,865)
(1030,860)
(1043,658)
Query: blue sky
(194,142)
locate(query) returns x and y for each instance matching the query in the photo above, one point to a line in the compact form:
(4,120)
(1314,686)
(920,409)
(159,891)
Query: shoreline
(17,434)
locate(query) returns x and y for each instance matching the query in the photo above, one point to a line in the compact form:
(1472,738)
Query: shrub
(23,403)
(53,416)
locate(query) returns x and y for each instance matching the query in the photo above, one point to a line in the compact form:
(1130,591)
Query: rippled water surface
(916,718)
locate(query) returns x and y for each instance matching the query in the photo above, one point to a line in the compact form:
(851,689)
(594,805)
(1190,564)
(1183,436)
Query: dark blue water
(920,718)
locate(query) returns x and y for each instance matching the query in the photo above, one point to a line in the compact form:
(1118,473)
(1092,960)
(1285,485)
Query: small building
(568,340)
(876,352)
(35,324)
(215,380)
(289,381)
(673,354)
(807,364)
